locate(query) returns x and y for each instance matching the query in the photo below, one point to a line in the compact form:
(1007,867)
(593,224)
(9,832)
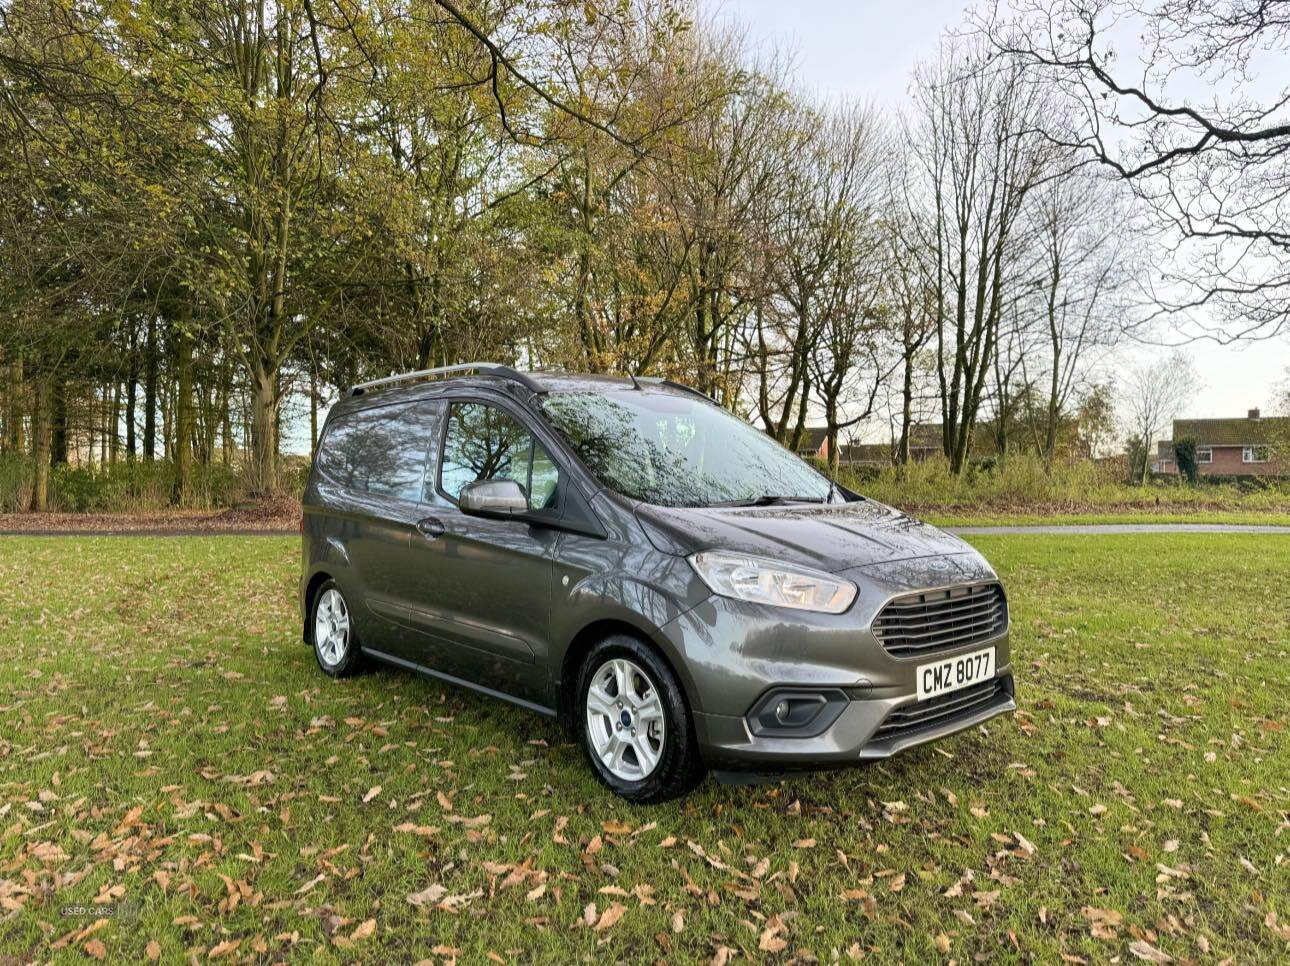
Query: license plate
(953,673)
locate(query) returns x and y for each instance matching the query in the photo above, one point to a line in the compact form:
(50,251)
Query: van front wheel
(634,725)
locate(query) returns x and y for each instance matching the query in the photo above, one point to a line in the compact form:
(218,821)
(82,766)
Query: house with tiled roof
(814,443)
(1229,447)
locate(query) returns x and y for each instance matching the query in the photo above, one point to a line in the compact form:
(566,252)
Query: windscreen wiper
(770,499)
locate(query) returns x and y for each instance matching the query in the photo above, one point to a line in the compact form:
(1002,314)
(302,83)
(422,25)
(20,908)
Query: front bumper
(867,730)
(738,653)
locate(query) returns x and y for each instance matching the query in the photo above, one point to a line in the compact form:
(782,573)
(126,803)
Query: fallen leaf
(1144,950)
(1102,922)
(610,916)
(427,896)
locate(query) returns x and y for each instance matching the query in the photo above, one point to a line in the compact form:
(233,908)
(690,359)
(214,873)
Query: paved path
(1047,528)
(1095,528)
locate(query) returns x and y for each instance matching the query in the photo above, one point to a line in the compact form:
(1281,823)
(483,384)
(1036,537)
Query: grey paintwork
(508,605)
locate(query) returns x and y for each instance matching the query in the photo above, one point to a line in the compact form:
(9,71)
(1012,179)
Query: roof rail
(490,368)
(673,384)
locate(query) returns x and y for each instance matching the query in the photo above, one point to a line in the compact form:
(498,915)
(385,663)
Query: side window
(487,443)
(382,450)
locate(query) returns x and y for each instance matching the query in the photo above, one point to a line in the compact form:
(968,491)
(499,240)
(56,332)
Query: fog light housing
(795,712)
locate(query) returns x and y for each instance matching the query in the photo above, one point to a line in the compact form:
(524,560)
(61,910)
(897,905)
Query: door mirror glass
(493,498)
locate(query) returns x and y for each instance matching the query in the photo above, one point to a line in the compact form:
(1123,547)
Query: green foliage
(125,487)
(1138,454)
(1022,483)
(1185,454)
(15,483)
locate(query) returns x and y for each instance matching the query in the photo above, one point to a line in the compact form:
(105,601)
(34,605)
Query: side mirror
(499,499)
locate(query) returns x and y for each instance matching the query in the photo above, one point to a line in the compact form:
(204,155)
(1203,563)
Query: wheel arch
(311,592)
(591,634)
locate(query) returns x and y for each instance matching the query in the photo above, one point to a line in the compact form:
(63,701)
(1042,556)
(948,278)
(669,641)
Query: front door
(484,599)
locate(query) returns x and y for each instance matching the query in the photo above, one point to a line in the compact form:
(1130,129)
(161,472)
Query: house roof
(1233,432)
(812,438)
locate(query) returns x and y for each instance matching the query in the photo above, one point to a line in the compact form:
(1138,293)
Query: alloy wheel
(331,627)
(625,722)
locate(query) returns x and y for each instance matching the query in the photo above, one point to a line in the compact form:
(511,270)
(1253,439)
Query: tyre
(633,723)
(335,642)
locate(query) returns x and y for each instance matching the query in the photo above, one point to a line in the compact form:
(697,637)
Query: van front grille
(939,620)
(910,719)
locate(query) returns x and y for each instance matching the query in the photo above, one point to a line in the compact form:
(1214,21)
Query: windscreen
(673,450)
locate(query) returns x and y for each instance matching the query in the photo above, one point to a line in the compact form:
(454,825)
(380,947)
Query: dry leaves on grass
(609,918)
(1144,950)
(1102,923)
(770,940)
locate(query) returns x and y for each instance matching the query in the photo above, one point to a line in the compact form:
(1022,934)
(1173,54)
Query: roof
(812,438)
(1240,431)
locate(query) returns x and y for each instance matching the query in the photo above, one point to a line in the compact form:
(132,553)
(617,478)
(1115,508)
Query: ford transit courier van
(683,592)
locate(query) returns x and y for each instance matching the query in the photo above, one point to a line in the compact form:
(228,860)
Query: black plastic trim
(812,712)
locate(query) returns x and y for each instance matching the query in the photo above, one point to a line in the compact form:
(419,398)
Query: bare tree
(972,135)
(1207,157)
(1079,293)
(1154,394)
(912,317)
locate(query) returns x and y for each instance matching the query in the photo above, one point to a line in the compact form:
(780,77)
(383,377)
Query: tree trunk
(150,392)
(91,426)
(40,432)
(166,396)
(17,438)
(1054,410)
(265,403)
(906,412)
(131,394)
(182,450)
(114,425)
(226,410)
(57,438)
(313,412)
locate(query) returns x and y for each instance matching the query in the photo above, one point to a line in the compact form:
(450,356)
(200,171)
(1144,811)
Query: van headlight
(763,581)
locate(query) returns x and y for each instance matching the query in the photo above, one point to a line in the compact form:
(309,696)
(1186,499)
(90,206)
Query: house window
(1204,454)
(1255,454)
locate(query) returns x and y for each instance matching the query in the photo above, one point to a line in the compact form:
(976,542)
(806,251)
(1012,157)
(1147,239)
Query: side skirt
(459,682)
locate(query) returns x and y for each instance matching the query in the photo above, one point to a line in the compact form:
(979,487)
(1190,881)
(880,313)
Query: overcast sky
(866,49)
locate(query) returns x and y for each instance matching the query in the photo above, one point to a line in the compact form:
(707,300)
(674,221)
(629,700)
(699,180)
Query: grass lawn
(169,750)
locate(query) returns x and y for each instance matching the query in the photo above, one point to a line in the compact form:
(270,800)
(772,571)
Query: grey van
(623,553)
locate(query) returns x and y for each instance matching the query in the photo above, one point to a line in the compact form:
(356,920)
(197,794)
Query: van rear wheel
(633,722)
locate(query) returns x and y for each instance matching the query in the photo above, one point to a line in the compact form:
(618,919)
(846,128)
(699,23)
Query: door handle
(430,527)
